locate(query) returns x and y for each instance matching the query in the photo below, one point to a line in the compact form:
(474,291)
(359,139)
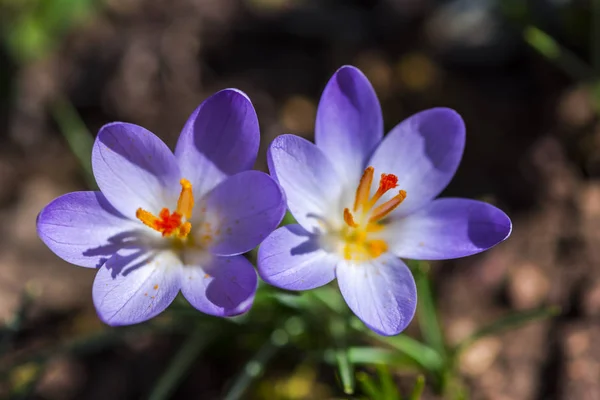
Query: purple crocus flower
(362,201)
(166,222)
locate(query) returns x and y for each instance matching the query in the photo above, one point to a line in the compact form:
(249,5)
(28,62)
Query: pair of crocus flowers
(163,223)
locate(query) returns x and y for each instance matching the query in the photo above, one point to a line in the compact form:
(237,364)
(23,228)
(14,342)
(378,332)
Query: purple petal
(242,211)
(220,138)
(382,293)
(310,183)
(448,228)
(225,286)
(136,285)
(423,151)
(134,169)
(292,258)
(84,229)
(349,122)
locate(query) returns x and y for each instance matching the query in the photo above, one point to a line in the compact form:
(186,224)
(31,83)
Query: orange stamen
(364,188)
(146,217)
(349,219)
(185,204)
(359,245)
(383,210)
(168,223)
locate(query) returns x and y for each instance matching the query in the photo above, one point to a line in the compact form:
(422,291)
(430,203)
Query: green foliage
(32,28)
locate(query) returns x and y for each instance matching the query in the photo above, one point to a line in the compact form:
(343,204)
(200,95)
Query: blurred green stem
(256,365)
(346,369)
(427,311)
(181,363)
(572,65)
(76,134)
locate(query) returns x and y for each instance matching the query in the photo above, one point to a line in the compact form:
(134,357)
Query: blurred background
(525,76)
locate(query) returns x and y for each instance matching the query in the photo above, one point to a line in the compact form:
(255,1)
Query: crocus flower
(362,201)
(165,222)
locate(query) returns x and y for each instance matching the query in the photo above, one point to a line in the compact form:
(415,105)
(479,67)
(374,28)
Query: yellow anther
(185,204)
(383,210)
(363,191)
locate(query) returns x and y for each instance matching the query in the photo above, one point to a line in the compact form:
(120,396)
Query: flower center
(172,224)
(366,215)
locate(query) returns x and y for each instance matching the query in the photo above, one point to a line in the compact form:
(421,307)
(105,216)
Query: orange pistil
(172,224)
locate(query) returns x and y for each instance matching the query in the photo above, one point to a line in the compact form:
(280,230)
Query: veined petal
(134,169)
(349,121)
(312,187)
(242,210)
(292,258)
(448,228)
(84,229)
(136,285)
(382,293)
(223,286)
(219,139)
(423,151)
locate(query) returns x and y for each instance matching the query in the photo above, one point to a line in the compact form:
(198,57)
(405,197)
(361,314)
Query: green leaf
(337,327)
(418,388)
(542,42)
(181,363)
(256,365)
(346,370)
(425,356)
(331,298)
(427,312)
(288,219)
(368,386)
(379,356)
(569,62)
(511,321)
(389,390)
(77,136)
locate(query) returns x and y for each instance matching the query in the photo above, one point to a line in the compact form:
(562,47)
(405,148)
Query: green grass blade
(346,370)
(511,321)
(427,313)
(77,135)
(379,356)
(368,386)
(338,329)
(426,357)
(417,391)
(181,363)
(256,365)
(389,390)
(560,56)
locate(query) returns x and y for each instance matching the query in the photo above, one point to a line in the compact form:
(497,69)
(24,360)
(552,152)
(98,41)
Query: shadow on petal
(487,226)
(231,287)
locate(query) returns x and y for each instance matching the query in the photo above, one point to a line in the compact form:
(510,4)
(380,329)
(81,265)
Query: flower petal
(134,169)
(219,139)
(242,211)
(224,287)
(136,285)
(292,258)
(84,229)
(310,183)
(448,228)
(382,293)
(349,121)
(423,151)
